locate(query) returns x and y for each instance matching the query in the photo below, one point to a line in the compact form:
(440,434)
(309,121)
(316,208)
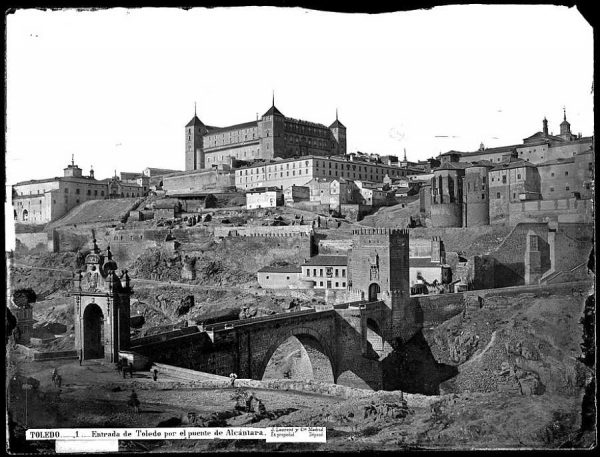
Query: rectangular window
(321,283)
(566,173)
(497,194)
(308,272)
(483,196)
(337,272)
(343,272)
(566,187)
(343,284)
(504,179)
(552,189)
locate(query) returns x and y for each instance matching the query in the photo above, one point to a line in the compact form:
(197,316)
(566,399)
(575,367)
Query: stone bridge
(345,344)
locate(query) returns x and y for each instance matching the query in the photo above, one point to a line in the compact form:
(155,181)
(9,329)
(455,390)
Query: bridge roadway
(335,340)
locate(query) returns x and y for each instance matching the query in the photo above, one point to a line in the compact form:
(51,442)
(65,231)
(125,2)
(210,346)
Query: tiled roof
(328,260)
(273,112)
(284,269)
(482,163)
(422,262)
(243,125)
(36,181)
(194,121)
(496,150)
(453,166)
(513,164)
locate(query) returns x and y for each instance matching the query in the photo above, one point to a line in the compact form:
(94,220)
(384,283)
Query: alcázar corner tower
(379,270)
(101,307)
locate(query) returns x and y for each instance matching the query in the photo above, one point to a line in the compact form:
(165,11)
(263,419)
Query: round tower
(446,196)
(476,196)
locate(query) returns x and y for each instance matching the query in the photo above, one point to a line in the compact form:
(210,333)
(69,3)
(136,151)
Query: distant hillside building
(299,171)
(273,135)
(40,201)
(269,197)
(548,176)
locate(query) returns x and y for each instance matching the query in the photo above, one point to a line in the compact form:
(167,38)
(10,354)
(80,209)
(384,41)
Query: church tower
(101,302)
(565,128)
(339,134)
(271,133)
(194,143)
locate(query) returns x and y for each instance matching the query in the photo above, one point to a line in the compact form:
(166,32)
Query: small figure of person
(249,401)
(133,401)
(58,380)
(232,378)
(54,374)
(80,357)
(119,365)
(261,408)
(131,370)
(124,372)
(155,374)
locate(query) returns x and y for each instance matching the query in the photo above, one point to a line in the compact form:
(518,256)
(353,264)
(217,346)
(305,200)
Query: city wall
(561,210)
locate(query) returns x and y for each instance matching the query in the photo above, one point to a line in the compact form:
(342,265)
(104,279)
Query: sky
(116,87)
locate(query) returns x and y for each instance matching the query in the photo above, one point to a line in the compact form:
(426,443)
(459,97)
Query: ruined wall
(40,241)
(435,309)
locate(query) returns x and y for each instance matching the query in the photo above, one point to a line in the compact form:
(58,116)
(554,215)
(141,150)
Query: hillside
(393,216)
(97,211)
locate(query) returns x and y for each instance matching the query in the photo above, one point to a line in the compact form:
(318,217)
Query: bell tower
(194,143)
(339,134)
(101,302)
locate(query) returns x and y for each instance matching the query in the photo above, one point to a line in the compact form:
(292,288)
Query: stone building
(101,309)
(273,135)
(299,171)
(546,176)
(268,197)
(287,277)
(326,272)
(512,182)
(40,201)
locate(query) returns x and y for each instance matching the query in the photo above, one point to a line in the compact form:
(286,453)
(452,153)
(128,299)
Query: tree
(210,201)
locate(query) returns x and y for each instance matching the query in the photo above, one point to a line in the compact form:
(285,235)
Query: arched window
(25,215)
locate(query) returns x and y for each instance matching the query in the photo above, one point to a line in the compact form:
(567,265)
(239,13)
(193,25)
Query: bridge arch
(314,347)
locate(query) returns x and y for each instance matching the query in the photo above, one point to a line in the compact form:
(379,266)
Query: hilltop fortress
(273,135)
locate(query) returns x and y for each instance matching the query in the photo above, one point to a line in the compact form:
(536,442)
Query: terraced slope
(96,211)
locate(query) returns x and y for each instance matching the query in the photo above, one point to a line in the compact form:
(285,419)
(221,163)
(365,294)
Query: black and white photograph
(288,229)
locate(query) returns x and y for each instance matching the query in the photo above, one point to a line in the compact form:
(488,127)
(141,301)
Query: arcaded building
(273,135)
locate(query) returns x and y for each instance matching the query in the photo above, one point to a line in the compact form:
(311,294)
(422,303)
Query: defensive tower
(379,270)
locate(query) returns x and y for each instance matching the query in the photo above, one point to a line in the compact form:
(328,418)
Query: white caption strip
(107,439)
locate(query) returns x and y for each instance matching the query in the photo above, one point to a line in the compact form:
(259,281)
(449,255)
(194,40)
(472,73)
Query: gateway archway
(93,332)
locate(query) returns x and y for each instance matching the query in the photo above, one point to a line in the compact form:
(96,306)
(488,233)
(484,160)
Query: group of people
(125,367)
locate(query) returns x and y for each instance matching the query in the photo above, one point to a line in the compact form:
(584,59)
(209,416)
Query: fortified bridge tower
(101,302)
(379,271)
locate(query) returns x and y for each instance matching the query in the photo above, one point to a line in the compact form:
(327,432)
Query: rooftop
(422,262)
(513,164)
(283,269)
(328,260)
(244,125)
